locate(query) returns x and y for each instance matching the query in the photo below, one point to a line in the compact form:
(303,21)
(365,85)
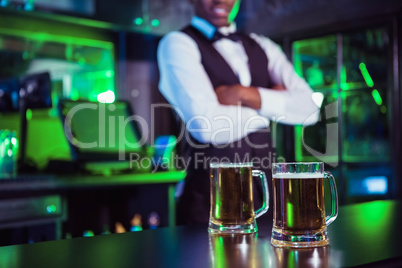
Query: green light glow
(106,97)
(75,95)
(377,97)
(298,143)
(98,81)
(109,74)
(29,114)
(155,23)
(45,136)
(234,11)
(219,253)
(383,109)
(292,259)
(366,75)
(136,228)
(344,84)
(51,209)
(138,21)
(88,233)
(96,74)
(217,211)
(289,210)
(14,141)
(376,226)
(48,37)
(315,75)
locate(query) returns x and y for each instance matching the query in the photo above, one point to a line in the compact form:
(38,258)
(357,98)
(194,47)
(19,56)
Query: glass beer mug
(299,205)
(232,207)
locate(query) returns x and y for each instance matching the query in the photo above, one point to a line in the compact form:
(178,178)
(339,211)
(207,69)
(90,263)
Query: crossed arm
(246,96)
(207,110)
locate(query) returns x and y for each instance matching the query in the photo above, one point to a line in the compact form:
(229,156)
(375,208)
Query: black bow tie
(236,36)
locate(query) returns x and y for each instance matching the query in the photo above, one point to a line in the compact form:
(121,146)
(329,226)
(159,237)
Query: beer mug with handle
(299,206)
(232,208)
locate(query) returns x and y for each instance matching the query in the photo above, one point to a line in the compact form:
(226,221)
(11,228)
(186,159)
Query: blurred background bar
(57,54)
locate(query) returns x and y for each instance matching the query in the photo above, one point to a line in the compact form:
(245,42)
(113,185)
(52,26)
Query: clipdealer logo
(110,137)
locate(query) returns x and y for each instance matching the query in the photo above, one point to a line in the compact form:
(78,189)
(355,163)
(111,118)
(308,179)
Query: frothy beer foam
(298,175)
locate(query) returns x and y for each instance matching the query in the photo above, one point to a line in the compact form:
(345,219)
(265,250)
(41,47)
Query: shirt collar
(208,29)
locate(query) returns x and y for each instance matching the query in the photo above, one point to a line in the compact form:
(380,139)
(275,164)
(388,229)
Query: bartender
(227,86)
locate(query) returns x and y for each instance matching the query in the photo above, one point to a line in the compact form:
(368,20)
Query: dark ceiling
(270,17)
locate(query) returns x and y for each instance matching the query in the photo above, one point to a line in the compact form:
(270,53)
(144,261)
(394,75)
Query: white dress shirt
(187,87)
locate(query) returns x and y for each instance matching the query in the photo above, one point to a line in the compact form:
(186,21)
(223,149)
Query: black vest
(220,73)
(257,145)
(217,68)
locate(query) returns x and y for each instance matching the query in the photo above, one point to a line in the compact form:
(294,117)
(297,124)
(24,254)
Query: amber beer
(232,207)
(299,206)
(231,196)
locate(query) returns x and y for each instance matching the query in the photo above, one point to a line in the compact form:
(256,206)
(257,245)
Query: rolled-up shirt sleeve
(295,105)
(186,86)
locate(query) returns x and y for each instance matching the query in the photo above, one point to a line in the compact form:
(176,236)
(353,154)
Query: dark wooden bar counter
(364,235)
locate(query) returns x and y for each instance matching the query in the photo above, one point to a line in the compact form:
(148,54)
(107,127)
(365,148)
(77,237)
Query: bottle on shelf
(136,223)
(153,220)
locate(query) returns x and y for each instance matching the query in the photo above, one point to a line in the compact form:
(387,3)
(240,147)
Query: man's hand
(279,87)
(229,95)
(246,96)
(235,94)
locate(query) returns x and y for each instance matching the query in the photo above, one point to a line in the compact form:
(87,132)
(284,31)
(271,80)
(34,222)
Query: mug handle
(334,198)
(265,196)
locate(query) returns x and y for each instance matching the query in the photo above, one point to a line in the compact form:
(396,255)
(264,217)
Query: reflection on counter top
(365,234)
